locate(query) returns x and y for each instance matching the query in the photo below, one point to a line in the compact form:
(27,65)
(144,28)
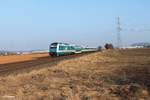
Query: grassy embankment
(108,75)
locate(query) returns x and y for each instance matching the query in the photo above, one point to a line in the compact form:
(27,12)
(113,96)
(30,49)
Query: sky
(34,24)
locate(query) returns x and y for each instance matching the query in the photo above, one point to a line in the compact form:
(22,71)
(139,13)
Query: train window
(52,47)
(62,47)
(72,48)
(66,47)
(54,44)
(69,47)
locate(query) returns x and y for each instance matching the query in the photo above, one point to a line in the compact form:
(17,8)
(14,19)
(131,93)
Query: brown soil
(20,58)
(26,63)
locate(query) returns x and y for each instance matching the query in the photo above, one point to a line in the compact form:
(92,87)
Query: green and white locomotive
(59,49)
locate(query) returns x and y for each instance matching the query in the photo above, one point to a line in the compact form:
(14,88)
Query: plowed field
(20,58)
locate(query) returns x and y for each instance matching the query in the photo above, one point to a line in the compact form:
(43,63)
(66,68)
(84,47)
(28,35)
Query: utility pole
(119,29)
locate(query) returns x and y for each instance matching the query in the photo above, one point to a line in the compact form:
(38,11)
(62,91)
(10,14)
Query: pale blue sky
(34,24)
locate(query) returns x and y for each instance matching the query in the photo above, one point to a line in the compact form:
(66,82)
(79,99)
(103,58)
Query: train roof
(54,43)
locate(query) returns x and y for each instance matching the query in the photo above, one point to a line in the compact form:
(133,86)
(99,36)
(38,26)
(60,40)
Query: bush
(109,46)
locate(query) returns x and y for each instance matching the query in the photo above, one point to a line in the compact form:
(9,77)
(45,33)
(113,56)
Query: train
(61,49)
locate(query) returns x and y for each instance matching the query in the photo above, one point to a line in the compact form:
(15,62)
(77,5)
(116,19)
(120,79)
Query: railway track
(10,68)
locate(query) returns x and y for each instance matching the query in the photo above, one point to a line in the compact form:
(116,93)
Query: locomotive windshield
(53,46)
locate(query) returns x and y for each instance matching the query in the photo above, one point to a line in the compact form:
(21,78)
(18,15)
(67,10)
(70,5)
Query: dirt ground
(107,75)
(19,58)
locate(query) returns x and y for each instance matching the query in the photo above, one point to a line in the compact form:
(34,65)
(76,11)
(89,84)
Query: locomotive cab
(53,49)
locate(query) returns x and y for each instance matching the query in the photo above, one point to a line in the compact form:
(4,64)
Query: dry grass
(108,75)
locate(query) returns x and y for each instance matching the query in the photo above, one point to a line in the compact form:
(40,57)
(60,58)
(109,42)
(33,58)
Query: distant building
(138,45)
(132,47)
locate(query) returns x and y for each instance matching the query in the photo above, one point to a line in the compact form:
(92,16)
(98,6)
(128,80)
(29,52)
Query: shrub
(109,46)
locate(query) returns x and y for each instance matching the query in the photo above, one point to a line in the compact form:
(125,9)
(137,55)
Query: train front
(53,49)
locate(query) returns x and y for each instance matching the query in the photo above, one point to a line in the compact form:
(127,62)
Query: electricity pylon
(119,29)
